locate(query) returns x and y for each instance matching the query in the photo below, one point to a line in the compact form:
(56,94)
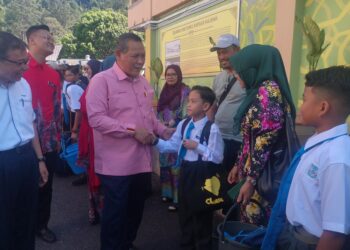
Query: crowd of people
(236,125)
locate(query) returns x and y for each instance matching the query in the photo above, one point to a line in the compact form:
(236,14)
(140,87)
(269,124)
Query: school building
(178,31)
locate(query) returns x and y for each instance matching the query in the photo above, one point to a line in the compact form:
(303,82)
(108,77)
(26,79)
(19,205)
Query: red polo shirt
(46,91)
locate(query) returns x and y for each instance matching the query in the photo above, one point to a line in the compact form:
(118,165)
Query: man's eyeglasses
(18,63)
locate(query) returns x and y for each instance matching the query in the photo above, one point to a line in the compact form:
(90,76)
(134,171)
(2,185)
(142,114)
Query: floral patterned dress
(168,172)
(260,128)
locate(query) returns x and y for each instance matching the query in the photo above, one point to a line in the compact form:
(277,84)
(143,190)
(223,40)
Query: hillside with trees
(67,19)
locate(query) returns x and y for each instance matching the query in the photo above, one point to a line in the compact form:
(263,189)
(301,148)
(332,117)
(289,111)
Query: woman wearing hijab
(260,69)
(171,110)
(86,151)
(91,68)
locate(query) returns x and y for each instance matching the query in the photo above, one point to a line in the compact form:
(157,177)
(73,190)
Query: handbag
(236,235)
(281,156)
(203,185)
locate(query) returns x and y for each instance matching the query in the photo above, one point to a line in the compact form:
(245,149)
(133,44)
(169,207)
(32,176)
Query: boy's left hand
(190,144)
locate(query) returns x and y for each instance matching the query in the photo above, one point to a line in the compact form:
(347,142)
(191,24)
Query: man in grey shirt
(227,103)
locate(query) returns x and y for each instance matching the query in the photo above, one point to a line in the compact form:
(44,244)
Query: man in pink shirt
(119,106)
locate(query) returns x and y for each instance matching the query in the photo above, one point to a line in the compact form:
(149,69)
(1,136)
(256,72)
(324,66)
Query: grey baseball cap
(225,41)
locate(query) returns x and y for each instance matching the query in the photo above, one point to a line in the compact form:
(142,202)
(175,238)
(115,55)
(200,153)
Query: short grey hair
(123,40)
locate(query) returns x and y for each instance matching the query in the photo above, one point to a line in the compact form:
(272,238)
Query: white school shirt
(73,94)
(213,152)
(64,86)
(16,115)
(319,196)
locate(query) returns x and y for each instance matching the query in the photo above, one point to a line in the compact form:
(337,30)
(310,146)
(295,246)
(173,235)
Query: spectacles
(18,63)
(171,74)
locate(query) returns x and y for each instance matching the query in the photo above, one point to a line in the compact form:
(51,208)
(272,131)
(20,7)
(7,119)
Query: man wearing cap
(229,96)
(21,158)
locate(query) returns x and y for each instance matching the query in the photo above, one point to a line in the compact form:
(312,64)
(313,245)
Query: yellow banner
(186,43)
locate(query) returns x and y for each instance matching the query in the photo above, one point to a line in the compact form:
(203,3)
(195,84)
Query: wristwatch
(41,158)
(155,142)
(251,180)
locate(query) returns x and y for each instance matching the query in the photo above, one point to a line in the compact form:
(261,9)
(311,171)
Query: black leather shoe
(46,235)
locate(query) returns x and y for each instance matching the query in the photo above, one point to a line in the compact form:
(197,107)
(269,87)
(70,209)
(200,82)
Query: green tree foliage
(95,34)
(2,16)
(56,28)
(18,18)
(66,12)
(60,15)
(120,5)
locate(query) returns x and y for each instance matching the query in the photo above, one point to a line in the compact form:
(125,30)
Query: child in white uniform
(318,203)
(196,227)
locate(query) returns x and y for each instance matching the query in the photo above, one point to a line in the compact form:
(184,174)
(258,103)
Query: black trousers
(124,199)
(19,182)
(231,150)
(45,192)
(196,227)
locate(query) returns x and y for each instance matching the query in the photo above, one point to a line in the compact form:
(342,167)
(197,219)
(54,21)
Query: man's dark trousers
(45,192)
(124,198)
(19,182)
(231,150)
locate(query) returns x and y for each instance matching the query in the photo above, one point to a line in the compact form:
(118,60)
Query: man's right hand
(143,136)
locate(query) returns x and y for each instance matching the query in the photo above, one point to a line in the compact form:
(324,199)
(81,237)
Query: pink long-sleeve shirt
(115,104)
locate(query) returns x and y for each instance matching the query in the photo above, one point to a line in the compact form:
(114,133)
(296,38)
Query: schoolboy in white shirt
(318,203)
(196,227)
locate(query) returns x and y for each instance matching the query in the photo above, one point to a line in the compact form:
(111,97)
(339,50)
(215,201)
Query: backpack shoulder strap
(81,84)
(206,132)
(184,124)
(205,135)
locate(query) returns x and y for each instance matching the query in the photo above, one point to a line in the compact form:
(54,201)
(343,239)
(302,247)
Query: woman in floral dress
(171,110)
(260,69)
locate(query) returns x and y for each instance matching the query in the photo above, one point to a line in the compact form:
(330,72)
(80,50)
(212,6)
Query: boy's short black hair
(35,28)
(335,81)
(75,69)
(10,42)
(206,93)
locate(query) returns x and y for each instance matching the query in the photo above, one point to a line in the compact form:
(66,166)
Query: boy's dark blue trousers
(196,227)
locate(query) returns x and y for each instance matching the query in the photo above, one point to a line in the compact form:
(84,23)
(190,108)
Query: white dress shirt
(74,92)
(319,196)
(213,152)
(16,115)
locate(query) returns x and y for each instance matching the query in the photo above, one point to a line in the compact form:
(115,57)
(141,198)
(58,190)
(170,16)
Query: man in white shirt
(21,158)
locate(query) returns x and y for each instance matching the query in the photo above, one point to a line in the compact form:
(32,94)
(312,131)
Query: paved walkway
(159,229)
